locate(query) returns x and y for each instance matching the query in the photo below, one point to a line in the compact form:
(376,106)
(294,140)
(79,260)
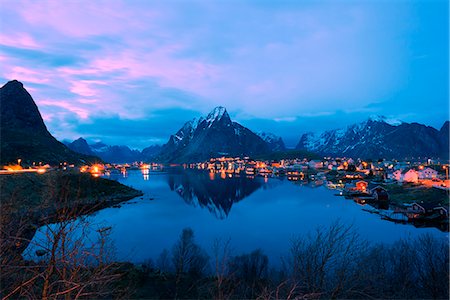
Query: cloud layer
(144,68)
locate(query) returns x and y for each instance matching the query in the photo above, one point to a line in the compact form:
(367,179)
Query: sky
(133,72)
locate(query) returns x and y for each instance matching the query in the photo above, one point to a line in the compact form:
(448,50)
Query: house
(428,173)
(428,211)
(410,175)
(442,211)
(397,175)
(407,175)
(423,208)
(361,186)
(379,193)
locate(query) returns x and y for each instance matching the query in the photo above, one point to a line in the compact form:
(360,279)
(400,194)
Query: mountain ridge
(379,137)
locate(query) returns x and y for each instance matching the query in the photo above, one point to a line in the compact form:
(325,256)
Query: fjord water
(253,213)
(265,213)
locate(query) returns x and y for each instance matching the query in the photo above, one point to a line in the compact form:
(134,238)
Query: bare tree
(432,266)
(251,272)
(163,261)
(327,261)
(224,286)
(188,259)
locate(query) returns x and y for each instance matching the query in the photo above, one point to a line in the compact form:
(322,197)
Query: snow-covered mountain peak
(187,131)
(390,121)
(216,114)
(192,124)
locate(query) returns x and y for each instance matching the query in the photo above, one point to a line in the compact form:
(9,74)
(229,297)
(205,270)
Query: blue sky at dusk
(132,72)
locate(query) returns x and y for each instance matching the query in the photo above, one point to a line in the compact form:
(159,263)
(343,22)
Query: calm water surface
(253,213)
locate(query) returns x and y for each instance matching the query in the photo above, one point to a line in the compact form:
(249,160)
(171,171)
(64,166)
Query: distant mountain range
(379,137)
(213,136)
(198,140)
(114,154)
(23,134)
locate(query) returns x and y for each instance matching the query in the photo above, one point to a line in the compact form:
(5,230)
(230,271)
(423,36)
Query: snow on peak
(267,136)
(188,129)
(194,123)
(216,114)
(390,121)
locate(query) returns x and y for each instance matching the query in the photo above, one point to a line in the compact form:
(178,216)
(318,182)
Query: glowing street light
(446,171)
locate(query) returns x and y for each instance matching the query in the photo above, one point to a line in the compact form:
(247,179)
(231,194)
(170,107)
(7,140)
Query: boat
(250,171)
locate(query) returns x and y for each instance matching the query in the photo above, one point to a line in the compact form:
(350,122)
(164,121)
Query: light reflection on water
(253,212)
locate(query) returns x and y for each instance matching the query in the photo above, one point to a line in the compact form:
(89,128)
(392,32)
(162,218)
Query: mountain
(150,153)
(114,154)
(379,137)
(444,137)
(274,142)
(215,135)
(111,154)
(23,133)
(119,154)
(81,146)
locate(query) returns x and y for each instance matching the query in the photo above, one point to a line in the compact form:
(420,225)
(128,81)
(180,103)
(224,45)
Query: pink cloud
(87,18)
(85,88)
(19,40)
(83,113)
(27,74)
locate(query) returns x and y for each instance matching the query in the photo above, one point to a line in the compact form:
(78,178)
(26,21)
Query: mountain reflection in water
(216,193)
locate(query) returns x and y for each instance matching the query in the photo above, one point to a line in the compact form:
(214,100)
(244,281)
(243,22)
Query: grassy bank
(410,193)
(25,193)
(29,201)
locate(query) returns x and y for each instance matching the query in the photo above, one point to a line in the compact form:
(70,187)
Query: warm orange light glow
(96,170)
(13,167)
(41,170)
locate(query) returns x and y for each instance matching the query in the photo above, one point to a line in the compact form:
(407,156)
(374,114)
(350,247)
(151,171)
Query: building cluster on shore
(362,181)
(348,168)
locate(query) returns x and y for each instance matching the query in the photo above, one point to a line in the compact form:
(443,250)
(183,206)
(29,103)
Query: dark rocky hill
(23,133)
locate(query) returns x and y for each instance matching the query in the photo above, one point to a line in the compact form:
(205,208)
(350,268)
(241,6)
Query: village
(415,192)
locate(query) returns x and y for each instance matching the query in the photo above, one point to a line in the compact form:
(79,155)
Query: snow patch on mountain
(390,121)
(215,115)
(268,137)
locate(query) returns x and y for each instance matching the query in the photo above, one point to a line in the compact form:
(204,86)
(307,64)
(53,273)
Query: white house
(408,175)
(428,173)
(397,175)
